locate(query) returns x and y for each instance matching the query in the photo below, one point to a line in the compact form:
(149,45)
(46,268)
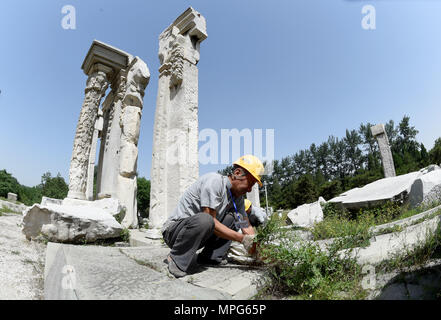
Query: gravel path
(21,262)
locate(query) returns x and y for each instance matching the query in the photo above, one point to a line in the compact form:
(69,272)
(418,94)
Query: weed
(5,209)
(338,222)
(303,270)
(417,256)
(125,235)
(120,216)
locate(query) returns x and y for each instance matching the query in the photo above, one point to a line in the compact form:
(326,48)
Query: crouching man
(209,215)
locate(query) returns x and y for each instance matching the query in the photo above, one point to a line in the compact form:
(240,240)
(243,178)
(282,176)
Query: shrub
(293,267)
(125,235)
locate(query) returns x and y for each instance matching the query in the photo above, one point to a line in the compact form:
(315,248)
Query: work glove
(248,241)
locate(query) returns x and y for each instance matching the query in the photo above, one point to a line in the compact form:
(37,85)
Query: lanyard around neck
(234,204)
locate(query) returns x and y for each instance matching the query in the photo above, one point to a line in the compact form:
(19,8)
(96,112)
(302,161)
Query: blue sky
(305,68)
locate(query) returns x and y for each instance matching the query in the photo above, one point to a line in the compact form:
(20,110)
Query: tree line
(340,164)
(57,188)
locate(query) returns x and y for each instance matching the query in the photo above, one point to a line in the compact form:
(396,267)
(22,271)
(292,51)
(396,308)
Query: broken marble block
(307,214)
(426,189)
(413,186)
(378,192)
(70,223)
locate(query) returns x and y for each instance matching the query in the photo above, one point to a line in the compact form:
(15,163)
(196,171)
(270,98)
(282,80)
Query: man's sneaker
(202,260)
(174,270)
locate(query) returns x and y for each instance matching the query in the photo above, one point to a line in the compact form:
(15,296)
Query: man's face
(245,181)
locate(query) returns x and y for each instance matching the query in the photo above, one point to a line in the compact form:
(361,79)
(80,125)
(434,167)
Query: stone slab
(143,237)
(233,280)
(422,187)
(418,283)
(307,214)
(376,192)
(387,246)
(405,222)
(16,207)
(12,196)
(71,224)
(105,273)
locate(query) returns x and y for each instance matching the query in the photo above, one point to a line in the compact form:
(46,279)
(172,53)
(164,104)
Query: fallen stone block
(16,207)
(47,200)
(12,197)
(378,192)
(421,191)
(397,188)
(70,223)
(308,214)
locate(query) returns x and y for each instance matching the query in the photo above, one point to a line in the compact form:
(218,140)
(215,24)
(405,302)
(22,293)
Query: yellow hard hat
(252,164)
(247,204)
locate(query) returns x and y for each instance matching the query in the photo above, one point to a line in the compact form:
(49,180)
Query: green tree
(275,196)
(303,191)
(435,152)
(143,196)
(53,187)
(424,156)
(8,184)
(330,189)
(30,195)
(353,153)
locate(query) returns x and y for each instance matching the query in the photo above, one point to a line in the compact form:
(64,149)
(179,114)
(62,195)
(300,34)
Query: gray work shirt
(210,190)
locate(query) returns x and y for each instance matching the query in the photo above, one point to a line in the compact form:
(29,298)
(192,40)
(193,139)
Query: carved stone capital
(181,40)
(98,79)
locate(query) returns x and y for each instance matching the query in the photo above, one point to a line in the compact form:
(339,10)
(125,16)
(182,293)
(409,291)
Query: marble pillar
(96,87)
(118,128)
(379,132)
(175,134)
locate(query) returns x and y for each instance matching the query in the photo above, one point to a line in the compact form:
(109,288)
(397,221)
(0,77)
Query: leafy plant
(302,269)
(125,235)
(419,255)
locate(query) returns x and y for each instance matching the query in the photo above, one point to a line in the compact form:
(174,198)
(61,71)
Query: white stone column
(96,87)
(379,132)
(175,135)
(110,146)
(132,95)
(254,196)
(91,169)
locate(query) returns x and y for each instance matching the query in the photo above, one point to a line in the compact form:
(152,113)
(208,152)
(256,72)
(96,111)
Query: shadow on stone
(423,284)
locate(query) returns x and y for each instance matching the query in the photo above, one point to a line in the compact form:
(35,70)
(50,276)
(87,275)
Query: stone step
(96,272)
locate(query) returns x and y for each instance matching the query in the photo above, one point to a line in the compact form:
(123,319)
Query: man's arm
(221,230)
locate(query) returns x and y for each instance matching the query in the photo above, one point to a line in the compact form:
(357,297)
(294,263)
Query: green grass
(125,235)
(355,225)
(15,202)
(304,271)
(419,255)
(301,270)
(5,209)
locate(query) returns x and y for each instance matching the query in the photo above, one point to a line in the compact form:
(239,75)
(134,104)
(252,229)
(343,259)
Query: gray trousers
(184,237)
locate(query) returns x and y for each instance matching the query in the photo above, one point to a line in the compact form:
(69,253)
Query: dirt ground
(21,262)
